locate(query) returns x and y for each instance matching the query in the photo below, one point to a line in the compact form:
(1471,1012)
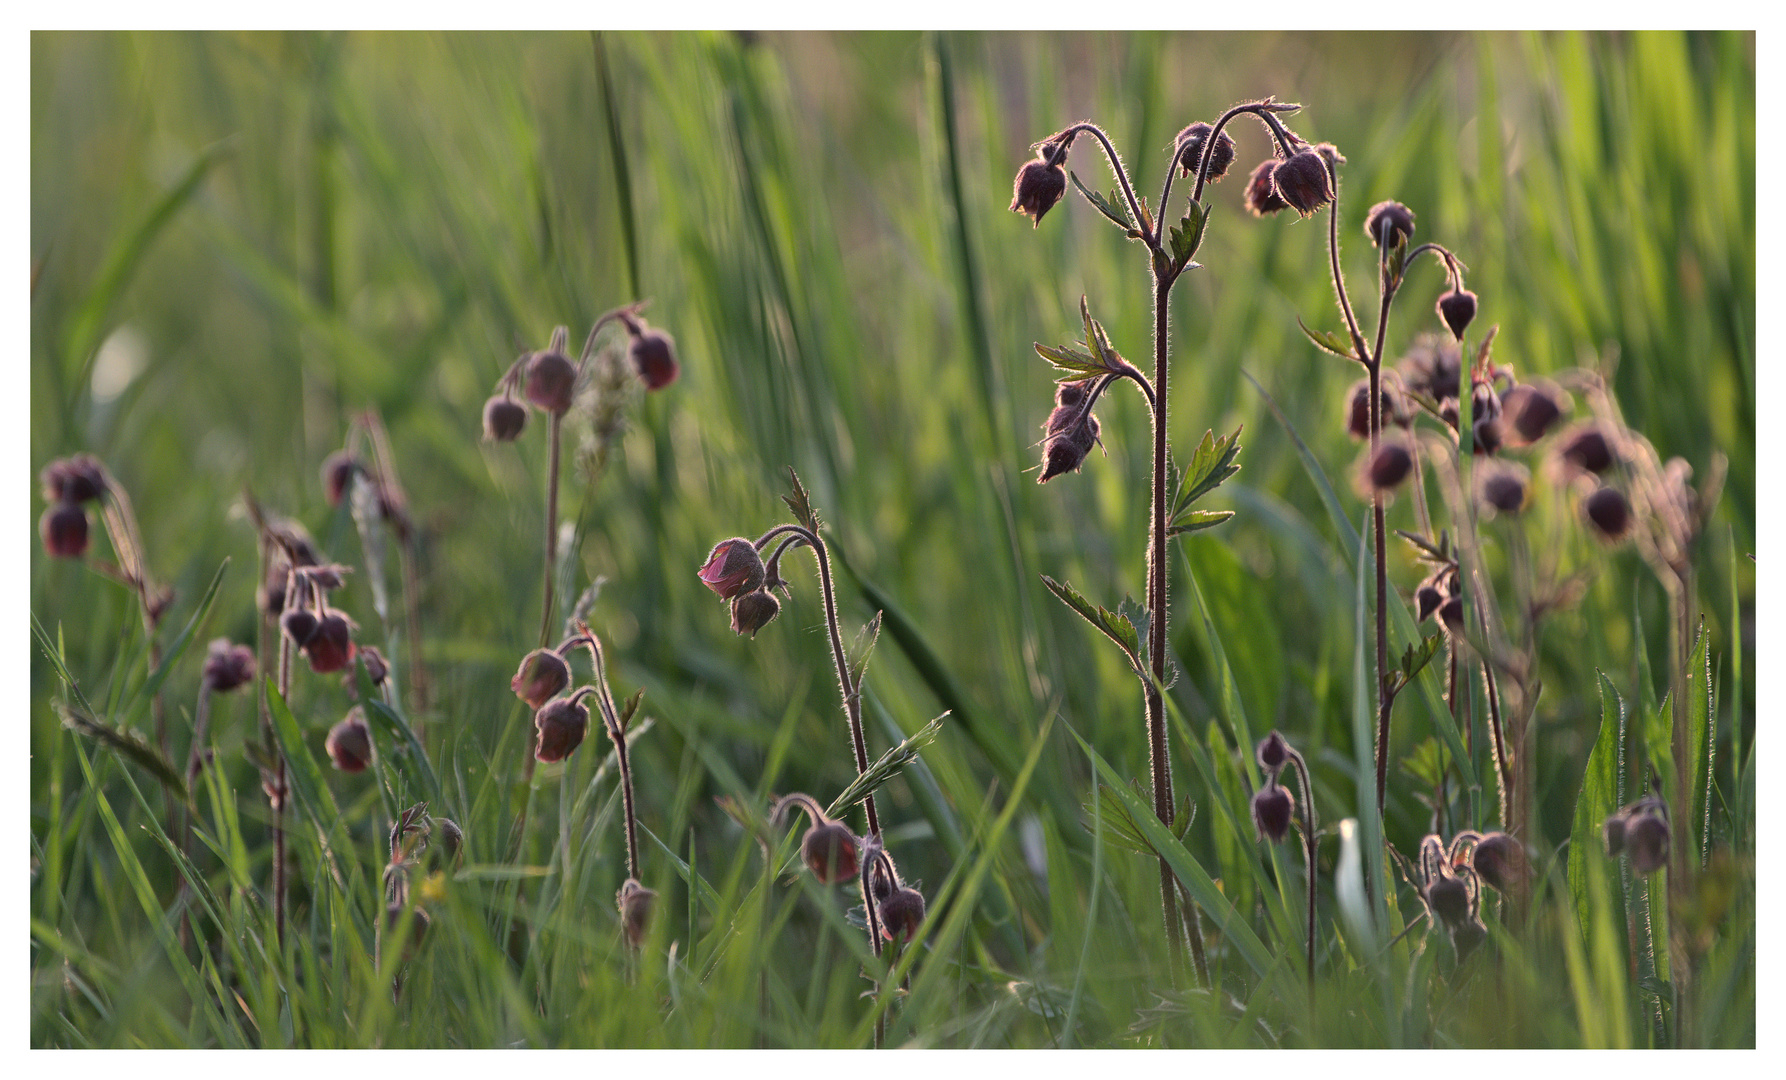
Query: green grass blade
(1597,800)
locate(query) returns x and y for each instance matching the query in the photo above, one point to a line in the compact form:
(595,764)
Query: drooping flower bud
(752,611)
(635,902)
(228,666)
(452,838)
(1457,308)
(1613,833)
(1449,899)
(1273,753)
(1072,432)
(1040,183)
(1529,410)
(1388,224)
(1389,466)
(63,529)
(1467,936)
(1261,196)
(1190,153)
(561,724)
(338,471)
(299,624)
(1609,513)
(1303,182)
(1501,486)
(1451,613)
(1272,807)
(377,668)
(504,419)
(350,742)
(76,479)
(551,382)
(734,567)
(1499,861)
(542,676)
(901,914)
(331,648)
(829,850)
(1358,409)
(653,357)
(1640,830)
(1585,447)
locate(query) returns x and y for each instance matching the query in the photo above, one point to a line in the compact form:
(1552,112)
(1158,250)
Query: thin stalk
(1683,850)
(611,721)
(555,440)
(279,787)
(1503,770)
(1308,854)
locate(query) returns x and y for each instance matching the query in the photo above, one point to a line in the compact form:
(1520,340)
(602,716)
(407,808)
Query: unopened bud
(1273,753)
(1191,142)
(753,610)
(350,742)
(299,624)
(561,724)
(1530,410)
(829,850)
(901,914)
(1449,899)
(1389,466)
(63,529)
(452,838)
(1427,599)
(76,479)
(734,567)
(542,676)
(1303,182)
(1499,861)
(228,666)
(1272,807)
(504,419)
(551,382)
(1609,513)
(338,471)
(377,668)
(1040,184)
(1502,487)
(331,648)
(1261,196)
(635,902)
(1457,308)
(1585,447)
(1388,224)
(653,357)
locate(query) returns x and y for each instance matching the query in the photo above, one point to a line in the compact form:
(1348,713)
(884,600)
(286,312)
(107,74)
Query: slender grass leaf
(1597,799)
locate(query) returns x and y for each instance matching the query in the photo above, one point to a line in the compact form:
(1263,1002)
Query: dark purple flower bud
(551,382)
(901,914)
(350,743)
(63,529)
(299,624)
(1040,183)
(653,357)
(1613,832)
(331,648)
(452,838)
(1449,899)
(1261,196)
(228,666)
(542,676)
(1072,432)
(1585,447)
(830,852)
(1272,807)
(1273,753)
(1502,487)
(561,724)
(1451,613)
(753,610)
(1499,861)
(1389,466)
(1427,599)
(504,418)
(338,471)
(1303,182)
(1646,837)
(1467,936)
(1190,153)
(1457,308)
(76,479)
(1530,410)
(1389,223)
(1609,513)
(636,903)
(734,567)
(377,668)
(1358,409)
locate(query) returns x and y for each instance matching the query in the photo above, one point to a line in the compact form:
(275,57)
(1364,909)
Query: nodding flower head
(1389,223)
(1640,830)
(350,742)
(452,838)
(1358,409)
(1302,182)
(1501,486)
(1530,410)
(228,666)
(299,624)
(734,567)
(561,724)
(1273,753)
(635,902)
(542,676)
(901,914)
(1585,447)
(1457,308)
(653,357)
(551,382)
(752,611)
(331,648)
(830,850)
(1041,182)
(1389,466)
(1448,896)
(1499,861)
(1272,807)
(1072,432)
(1609,512)
(1427,599)
(63,529)
(378,669)
(1261,196)
(504,419)
(76,479)
(1190,151)
(338,471)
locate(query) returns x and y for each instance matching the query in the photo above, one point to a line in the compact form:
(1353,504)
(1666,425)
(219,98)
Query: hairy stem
(1308,854)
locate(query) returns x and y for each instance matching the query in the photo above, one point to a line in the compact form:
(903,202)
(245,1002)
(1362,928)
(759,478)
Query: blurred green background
(238,240)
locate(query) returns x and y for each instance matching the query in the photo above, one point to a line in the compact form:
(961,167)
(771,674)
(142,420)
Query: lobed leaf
(1328,341)
(1117,628)
(1110,208)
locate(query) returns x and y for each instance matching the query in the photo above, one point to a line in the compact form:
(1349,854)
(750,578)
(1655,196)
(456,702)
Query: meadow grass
(240,241)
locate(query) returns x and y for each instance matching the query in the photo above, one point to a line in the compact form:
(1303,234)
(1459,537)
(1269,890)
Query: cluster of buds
(411,839)
(1451,890)
(1640,830)
(1071,431)
(1441,593)
(548,379)
(829,849)
(560,723)
(895,907)
(1497,859)
(68,485)
(736,573)
(227,665)
(1298,177)
(323,634)
(1273,805)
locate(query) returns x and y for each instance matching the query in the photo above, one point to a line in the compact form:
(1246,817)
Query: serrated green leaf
(863,648)
(1068,358)
(1211,464)
(1116,627)
(800,503)
(1110,209)
(1197,520)
(1328,341)
(629,708)
(1417,656)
